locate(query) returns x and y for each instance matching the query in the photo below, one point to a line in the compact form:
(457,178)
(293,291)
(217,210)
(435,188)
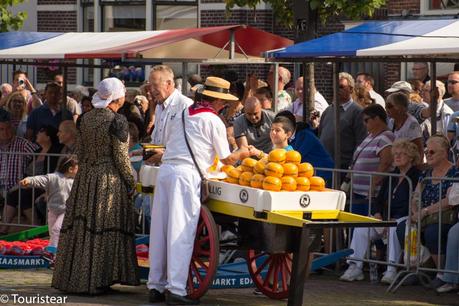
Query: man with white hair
(283,98)
(420,72)
(352,128)
(197,136)
(170,102)
(444,112)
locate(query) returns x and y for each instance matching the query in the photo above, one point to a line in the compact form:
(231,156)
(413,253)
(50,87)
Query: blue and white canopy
(381,38)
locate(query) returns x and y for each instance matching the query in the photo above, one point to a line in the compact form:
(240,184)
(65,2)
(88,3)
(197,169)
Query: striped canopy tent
(399,40)
(212,43)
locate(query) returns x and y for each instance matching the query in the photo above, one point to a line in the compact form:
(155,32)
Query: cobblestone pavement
(319,290)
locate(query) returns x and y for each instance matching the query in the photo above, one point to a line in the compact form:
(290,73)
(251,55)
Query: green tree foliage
(8,20)
(353,9)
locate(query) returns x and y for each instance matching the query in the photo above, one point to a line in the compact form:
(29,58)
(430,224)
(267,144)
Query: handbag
(448,216)
(204,196)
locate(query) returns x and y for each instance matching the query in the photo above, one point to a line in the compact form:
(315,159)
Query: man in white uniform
(170,103)
(176,208)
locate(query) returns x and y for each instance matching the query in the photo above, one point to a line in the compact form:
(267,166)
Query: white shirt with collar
(320,105)
(172,106)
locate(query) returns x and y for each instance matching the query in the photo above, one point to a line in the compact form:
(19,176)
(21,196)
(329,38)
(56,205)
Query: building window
(88,18)
(443,4)
(123,18)
(439,7)
(176,16)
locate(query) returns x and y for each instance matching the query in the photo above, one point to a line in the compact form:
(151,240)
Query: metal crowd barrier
(31,168)
(337,178)
(19,222)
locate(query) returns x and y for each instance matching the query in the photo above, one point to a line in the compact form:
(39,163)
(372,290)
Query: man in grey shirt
(352,127)
(253,127)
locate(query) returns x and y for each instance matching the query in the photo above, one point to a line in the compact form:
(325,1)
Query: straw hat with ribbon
(218,88)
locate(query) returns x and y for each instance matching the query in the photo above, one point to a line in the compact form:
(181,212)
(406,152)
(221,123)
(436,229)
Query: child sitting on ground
(281,131)
(57,186)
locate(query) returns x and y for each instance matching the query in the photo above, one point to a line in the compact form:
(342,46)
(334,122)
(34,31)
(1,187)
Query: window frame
(424,10)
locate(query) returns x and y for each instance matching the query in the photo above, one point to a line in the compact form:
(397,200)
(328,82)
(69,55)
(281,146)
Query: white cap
(400,85)
(109,89)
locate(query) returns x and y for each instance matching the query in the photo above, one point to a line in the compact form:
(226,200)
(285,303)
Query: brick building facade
(69,15)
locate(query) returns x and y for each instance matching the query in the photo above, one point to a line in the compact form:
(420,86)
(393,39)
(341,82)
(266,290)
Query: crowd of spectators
(386,132)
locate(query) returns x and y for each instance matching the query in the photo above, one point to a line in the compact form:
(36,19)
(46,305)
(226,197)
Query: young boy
(282,129)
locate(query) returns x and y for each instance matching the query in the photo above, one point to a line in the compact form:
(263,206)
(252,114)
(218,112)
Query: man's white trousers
(174,218)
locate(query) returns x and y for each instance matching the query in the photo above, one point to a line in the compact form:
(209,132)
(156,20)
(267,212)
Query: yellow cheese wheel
(272,183)
(302,183)
(277,156)
(232,180)
(293,157)
(288,183)
(260,167)
(227,168)
(248,164)
(274,169)
(257,181)
(290,169)
(235,173)
(244,178)
(317,183)
(305,170)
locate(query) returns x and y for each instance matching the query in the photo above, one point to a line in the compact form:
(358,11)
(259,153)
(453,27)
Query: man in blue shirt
(50,113)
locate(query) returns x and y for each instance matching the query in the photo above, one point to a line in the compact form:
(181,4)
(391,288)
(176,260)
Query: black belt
(146,189)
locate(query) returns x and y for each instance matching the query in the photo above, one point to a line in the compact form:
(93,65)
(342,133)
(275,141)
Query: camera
(21,82)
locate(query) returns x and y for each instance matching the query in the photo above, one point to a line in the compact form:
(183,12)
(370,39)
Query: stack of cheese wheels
(282,170)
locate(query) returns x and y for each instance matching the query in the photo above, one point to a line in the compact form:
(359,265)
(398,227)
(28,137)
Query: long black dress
(97,241)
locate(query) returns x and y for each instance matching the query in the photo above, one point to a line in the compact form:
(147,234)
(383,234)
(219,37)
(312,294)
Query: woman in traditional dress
(97,242)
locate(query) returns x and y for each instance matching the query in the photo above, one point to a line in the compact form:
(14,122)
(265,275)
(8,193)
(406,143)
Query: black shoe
(156,297)
(175,299)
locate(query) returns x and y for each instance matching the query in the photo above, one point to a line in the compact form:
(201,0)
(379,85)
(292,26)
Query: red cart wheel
(270,272)
(204,261)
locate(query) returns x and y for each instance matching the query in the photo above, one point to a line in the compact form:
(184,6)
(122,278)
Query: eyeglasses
(430,152)
(343,86)
(452,82)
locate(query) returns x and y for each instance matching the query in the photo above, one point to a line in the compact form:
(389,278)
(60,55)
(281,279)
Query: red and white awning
(186,44)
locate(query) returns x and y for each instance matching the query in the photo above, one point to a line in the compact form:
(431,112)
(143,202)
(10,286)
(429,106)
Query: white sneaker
(389,277)
(352,273)
(447,288)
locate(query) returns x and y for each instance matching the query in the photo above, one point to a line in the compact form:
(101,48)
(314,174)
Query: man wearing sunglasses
(453,90)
